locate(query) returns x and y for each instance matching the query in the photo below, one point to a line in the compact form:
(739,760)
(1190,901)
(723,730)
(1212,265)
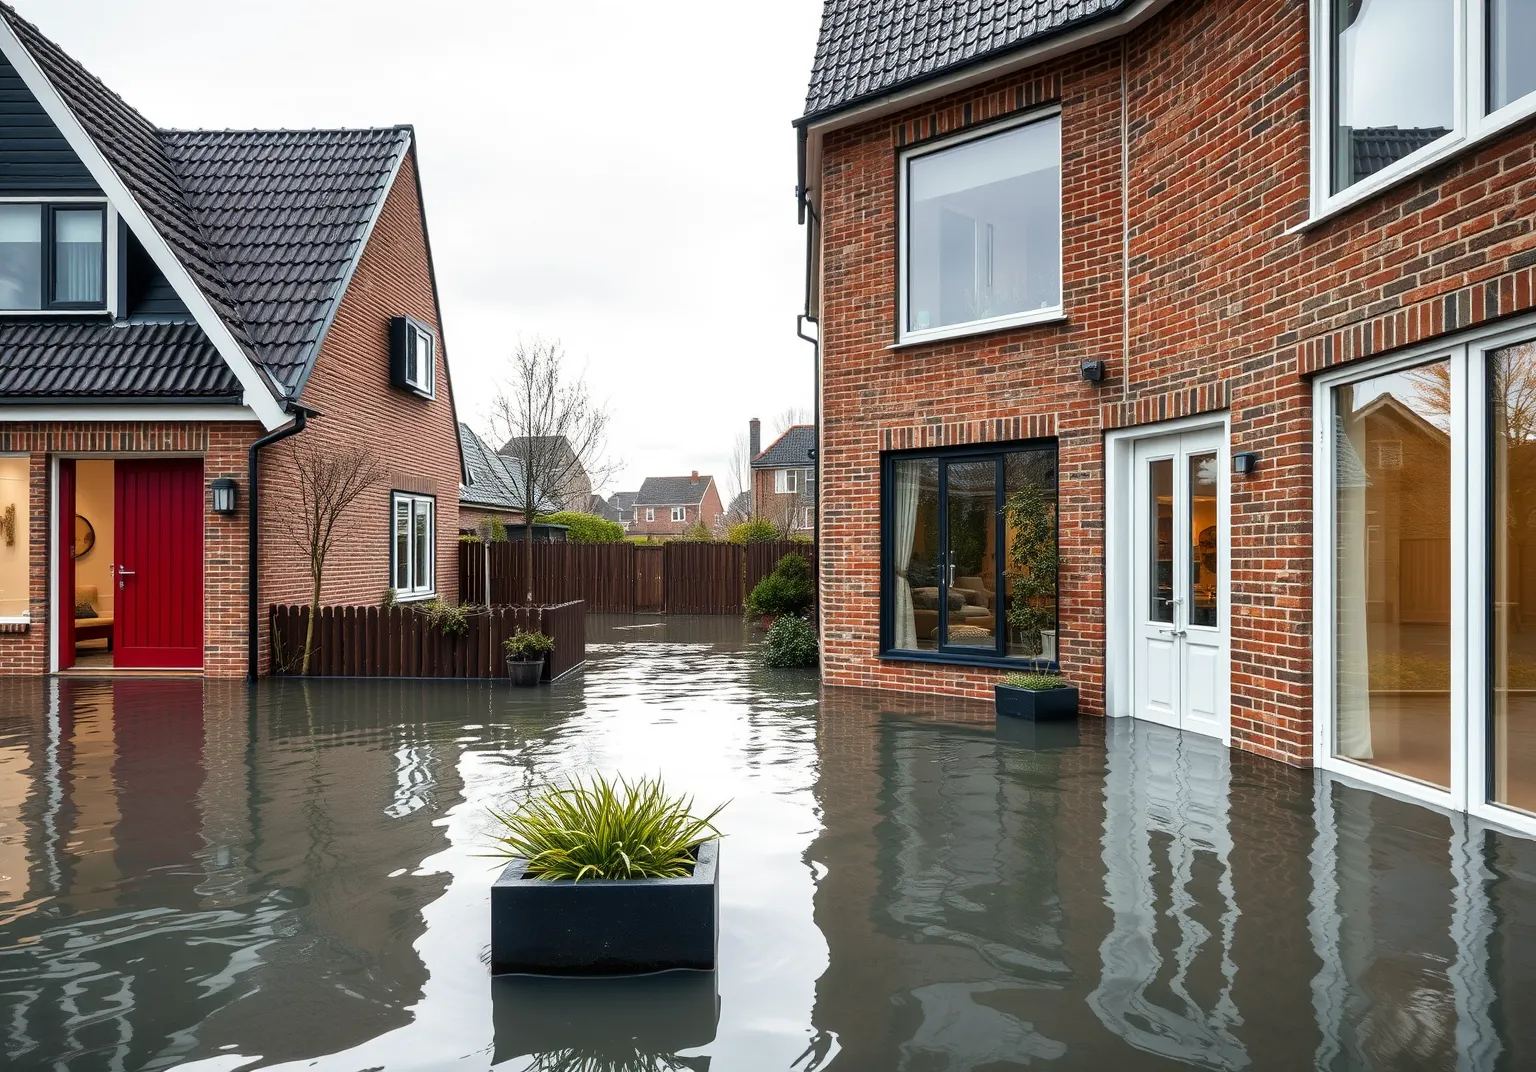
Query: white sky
(616,175)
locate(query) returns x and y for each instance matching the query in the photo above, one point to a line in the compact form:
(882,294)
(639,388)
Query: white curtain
(1352,694)
(904,520)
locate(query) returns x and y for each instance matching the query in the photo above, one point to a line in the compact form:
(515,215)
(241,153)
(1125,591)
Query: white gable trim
(124,411)
(259,392)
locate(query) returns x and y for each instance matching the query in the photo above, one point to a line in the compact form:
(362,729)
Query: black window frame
(998,658)
(48,212)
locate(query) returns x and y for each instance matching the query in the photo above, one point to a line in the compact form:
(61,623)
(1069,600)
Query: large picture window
(412,546)
(981,231)
(969,549)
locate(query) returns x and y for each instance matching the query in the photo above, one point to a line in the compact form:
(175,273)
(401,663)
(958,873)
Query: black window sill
(948,658)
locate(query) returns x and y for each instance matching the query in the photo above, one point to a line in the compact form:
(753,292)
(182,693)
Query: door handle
(1173,632)
(121,573)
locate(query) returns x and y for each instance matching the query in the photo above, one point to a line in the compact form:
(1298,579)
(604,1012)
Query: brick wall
(415,438)
(1229,308)
(782,508)
(710,509)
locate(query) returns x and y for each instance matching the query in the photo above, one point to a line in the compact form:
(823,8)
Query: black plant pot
(606,926)
(525,672)
(1037,705)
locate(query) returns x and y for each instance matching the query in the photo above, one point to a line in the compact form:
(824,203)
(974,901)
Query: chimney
(695,476)
(755,439)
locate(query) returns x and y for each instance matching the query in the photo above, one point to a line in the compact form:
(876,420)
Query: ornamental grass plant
(606,830)
(1035,682)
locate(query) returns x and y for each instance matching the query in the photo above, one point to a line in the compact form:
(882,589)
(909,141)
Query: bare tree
(329,479)
(789,418)
(552,427)
(738,477)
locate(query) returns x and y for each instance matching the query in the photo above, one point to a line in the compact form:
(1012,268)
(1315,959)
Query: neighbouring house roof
(495,480)
(267,224)
(741,506)
(870,47)
(623,500)
(1376,147)
(673,491)
(793,449)
(605,509)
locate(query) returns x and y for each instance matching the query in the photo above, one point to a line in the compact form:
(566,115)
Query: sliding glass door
(1426,558)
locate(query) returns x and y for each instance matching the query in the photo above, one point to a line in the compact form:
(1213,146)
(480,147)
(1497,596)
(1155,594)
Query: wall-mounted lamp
(1245,464)
(1094,371)
(225,494)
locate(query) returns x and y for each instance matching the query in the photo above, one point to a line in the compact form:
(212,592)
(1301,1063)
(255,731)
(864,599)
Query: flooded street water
(206,876)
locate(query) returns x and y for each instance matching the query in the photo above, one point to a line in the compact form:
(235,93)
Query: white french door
(1180,569)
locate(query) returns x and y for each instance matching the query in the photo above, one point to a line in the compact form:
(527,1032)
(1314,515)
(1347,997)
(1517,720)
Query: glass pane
(79,256)
(15,575)
(21,257)
(1392,524)
(1394,81)
(1204,555)
(422,566)
(1511,42)
(984,222)
(1161,551)
(914,553)
(402,545)
(1513,383)
(972,510)
(1029,527)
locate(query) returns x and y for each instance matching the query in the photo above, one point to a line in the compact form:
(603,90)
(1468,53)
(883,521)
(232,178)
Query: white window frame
(1467,354)
(1473,122)
(108,307)
(904,337)
(426,371)
(412,502)
(679,513)
(786,481)
(650,513)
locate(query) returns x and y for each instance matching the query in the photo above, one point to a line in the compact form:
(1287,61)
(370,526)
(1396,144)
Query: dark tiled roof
(672,491)
(868,47)
(267,223)
(1376,147)
(623,500)
(793,448)
(284,213)
(63,359)
(741,507)
(497,480)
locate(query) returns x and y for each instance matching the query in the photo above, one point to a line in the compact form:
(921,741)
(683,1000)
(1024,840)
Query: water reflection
(210,877)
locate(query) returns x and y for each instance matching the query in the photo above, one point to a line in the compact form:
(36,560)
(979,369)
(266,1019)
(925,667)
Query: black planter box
(1037,705)
(606,926)
(1038,736)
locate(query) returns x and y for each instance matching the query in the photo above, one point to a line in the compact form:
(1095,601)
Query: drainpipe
(300,415)
(804,209)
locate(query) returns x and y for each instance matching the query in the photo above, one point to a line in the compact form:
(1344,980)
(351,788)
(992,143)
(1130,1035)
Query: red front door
(159,607)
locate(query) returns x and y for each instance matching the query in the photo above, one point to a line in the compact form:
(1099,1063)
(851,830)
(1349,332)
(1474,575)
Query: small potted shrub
(1037,697)
(605,878)
(787,590)
(525,656)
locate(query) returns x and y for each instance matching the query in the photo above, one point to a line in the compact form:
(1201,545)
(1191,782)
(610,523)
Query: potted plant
(605,878)
(1037,697)
(525,656)
(787,590)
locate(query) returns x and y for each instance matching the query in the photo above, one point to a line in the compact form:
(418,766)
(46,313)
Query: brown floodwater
(212,877)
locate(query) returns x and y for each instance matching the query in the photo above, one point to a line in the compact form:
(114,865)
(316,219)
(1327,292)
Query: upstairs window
(786,481)
(679,513)
(650,513)
(1403,83)
(412,355)
(980,244)
(52,257)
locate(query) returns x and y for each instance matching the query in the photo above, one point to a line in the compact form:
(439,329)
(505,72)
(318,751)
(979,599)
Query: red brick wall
(710,509)
(778,507)
(1229,310)
(415,438)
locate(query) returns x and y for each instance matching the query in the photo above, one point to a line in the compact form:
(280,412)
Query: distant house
(784,477)
(623,503)
(604,509)
(576,492)
(740,509)
(670,505)
(493,485)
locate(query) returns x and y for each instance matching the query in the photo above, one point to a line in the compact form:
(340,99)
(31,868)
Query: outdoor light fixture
(225,495)
(1245,464)
(1093,371)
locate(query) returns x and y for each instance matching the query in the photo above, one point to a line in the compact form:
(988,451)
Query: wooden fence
(680,577)
(398,642)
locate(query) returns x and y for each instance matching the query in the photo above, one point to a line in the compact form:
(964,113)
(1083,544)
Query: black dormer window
(412,355)
(52,257)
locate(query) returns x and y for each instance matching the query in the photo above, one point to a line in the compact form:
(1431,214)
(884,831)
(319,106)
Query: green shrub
(601,829)
(1035,682)
(498,530)
(586,528)
(753,530)
(698,532)
(388,600)
(526,647)
(791,644)
(446,618)
(787,590)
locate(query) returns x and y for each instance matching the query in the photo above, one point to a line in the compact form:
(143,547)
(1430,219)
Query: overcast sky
(616,175)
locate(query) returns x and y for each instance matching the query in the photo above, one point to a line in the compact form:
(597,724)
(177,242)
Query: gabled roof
(792,449)
(266,225)
(623,500)
(61,359)
(870,47)
(673,491)
(496,481)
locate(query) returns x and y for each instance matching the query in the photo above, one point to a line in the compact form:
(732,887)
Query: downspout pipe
(807,218)
(300,417)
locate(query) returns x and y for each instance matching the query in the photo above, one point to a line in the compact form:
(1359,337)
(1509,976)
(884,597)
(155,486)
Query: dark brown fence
(624,578)
(398,642)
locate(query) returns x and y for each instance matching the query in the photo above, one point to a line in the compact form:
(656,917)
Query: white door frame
(1119,550)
